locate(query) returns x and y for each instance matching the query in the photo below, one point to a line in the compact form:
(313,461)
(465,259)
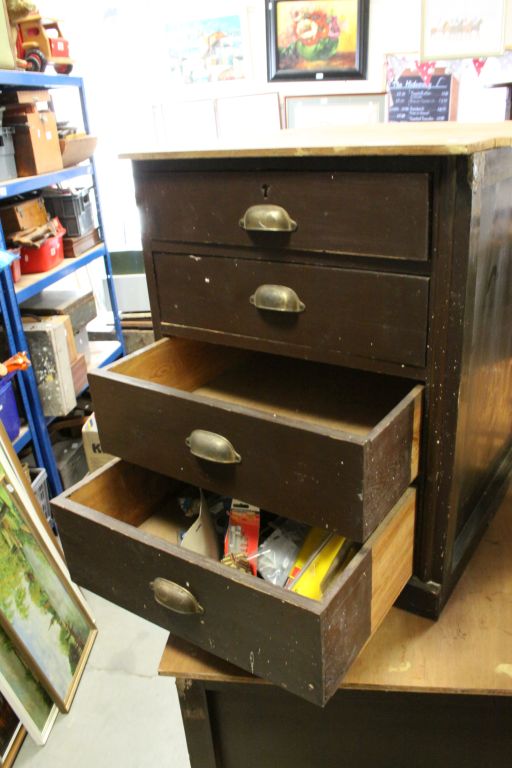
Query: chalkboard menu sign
(411,100)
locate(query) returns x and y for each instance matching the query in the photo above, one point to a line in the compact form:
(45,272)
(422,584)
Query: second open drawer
(119,528)
(328,446)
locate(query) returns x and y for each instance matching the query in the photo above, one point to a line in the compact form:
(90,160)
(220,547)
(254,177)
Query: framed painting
(25,695)
(206,50)
(459,29)
(320,111)
(41,612)
(317,40)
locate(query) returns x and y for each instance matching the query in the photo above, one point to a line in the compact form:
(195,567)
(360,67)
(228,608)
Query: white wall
(122,55)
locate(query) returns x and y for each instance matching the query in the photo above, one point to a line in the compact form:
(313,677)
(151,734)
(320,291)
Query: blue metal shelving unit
(12,295)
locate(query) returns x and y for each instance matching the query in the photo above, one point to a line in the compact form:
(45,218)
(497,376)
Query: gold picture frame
(41,611)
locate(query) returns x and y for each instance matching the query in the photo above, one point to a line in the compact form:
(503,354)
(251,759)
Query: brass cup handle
(175,597)
(277,298)
(212,447)
(267,218)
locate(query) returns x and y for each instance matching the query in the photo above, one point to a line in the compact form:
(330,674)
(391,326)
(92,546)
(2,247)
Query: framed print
(317,40)
(24,693)
(459,29)
(320,111)
(206,50)
(41,611)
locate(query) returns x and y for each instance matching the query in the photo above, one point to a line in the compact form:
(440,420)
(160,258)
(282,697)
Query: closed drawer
(118,527)
(322,444)
(367,214)
(327,314)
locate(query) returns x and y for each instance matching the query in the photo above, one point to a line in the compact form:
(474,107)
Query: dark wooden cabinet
(338,317)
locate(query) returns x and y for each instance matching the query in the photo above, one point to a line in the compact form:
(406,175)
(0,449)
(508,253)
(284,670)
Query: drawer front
(326,314)
(303,645)
(367,214)
(329,446)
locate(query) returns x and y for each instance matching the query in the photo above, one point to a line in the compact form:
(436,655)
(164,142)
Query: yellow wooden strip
(392,551)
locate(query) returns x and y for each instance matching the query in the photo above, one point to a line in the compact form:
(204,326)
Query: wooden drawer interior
(343,444)
(337,399)
(119,527)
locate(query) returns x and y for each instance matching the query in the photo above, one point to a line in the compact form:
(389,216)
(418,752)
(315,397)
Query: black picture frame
(297,62)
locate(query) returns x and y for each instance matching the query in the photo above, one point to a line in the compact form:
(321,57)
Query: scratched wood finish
(404,654)
(384,215)
(465,453)
(348,313)
(467,450)
(273,633)
(342,442)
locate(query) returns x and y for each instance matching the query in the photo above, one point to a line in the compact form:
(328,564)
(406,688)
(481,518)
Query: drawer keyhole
(265,188)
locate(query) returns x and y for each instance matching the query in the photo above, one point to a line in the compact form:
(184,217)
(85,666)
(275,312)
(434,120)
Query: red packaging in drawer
(46,256)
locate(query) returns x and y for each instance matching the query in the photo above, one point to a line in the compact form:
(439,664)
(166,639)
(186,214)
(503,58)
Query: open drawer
(328,446)
(117,527)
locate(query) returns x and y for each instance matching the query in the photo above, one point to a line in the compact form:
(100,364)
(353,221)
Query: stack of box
(26,226)
(75,210)
(36,141)
(79,308)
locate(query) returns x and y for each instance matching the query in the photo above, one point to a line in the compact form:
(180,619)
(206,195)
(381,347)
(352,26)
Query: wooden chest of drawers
(334,325)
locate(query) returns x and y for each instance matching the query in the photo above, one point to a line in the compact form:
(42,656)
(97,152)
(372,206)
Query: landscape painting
(40,611)
(24,694)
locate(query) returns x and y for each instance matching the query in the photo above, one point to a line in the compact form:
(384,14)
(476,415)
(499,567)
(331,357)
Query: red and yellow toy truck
(40,42)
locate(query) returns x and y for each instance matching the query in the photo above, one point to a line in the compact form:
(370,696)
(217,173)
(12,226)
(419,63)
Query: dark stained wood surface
(417,687)
(270,632)
(258,726)
(348,312)
(340,442)
(466,457)
(378,214)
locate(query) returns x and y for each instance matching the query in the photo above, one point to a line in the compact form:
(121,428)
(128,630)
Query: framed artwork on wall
(317,40)
(458,29)
(320,111)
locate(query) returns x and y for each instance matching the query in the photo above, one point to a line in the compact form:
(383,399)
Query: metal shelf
(21,79)
(11,295)
(24,437)
(31,285)
(23,184)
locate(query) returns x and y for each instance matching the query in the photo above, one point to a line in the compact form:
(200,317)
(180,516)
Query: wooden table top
(447,138)
(468,650)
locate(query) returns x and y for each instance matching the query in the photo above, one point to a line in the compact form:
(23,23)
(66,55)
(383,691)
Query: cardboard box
(79,373)
(80,306)
(49,352)
(94,455)
(36,144)
(26,214)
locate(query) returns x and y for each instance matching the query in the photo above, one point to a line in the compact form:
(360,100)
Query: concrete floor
(123,713)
